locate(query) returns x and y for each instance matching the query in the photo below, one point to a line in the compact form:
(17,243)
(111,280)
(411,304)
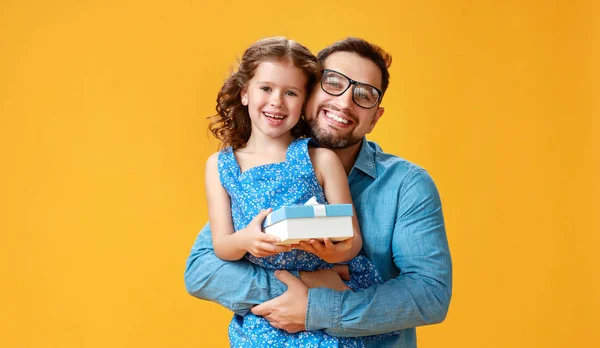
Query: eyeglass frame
(352,83)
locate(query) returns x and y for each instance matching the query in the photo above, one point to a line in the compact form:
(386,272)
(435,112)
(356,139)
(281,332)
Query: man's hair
(231,124)
(367,50)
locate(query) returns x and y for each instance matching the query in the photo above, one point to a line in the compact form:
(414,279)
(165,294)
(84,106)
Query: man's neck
(348,156)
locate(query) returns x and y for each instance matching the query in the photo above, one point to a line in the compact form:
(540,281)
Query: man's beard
(328,139)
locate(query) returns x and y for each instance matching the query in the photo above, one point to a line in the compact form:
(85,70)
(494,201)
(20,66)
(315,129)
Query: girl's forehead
(278,71)
(276,64)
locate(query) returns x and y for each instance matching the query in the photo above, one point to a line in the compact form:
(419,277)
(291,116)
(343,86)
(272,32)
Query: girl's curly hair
(231,124)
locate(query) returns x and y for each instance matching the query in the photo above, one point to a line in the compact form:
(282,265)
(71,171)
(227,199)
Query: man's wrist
(276,286)
(323,309)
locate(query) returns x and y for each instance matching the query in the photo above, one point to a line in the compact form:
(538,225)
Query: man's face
(337,122)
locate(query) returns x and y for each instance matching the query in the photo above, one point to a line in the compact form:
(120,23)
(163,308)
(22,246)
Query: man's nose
(345,100)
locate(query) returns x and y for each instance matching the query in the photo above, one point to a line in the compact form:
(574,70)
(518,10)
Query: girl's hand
(255,241)
(326,250)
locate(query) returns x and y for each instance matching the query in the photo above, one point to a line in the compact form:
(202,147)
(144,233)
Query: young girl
(266,164)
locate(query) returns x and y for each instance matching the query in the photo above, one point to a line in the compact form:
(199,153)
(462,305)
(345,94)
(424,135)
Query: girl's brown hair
(231,124)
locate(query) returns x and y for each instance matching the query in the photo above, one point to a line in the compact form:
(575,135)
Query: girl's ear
(244,96)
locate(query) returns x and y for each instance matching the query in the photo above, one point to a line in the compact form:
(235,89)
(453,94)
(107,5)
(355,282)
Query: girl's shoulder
(221,155)
(321,155)
(212,161)
(322,161)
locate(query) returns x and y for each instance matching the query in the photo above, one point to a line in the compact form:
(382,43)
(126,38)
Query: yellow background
(103,140)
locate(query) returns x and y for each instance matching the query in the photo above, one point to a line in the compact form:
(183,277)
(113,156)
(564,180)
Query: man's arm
(236,285)
(420,295)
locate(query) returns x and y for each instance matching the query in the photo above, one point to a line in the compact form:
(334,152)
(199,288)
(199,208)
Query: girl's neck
(258,143)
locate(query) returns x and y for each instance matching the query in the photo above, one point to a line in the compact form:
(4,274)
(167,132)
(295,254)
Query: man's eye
(265,88)
(333,82)
(362,93)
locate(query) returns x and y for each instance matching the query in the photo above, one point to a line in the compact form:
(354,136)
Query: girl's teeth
(273,116)
(334,117)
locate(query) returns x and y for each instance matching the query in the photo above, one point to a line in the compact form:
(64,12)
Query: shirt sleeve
(237,285)
(419,295)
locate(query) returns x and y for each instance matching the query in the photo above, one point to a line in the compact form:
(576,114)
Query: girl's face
(274,97)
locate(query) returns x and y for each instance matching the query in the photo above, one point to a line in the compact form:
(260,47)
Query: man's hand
(327,278)
(288,311)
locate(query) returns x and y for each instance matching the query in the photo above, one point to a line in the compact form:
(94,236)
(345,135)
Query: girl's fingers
(307,247)
(282,249)
(258,219)
(268,238)
(274,249)
(344,245)
(328,243)
(319,247)
(267,247)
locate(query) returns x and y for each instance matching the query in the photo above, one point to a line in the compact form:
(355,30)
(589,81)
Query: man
(400,216)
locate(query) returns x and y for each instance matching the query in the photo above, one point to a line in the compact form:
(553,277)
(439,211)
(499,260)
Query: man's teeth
(336,118)
(273,116)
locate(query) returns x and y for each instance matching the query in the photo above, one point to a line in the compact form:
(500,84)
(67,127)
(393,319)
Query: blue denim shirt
(400,215)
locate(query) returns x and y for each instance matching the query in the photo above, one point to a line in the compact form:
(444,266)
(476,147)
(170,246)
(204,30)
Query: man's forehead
(355,67)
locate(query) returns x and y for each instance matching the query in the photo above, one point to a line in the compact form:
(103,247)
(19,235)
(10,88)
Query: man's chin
(331,141)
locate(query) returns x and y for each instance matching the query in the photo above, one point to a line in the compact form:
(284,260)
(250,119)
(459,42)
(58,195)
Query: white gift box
(296,223)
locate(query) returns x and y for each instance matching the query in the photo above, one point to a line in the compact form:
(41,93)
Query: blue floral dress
(273,186)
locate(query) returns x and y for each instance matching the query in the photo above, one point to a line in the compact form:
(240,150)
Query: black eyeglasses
(336,84)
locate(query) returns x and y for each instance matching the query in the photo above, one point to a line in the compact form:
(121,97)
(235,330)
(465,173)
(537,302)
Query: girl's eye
(292,93)
(265,88)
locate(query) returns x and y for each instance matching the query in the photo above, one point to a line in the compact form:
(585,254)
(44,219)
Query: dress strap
(297,153)
(229,169)
(295,148)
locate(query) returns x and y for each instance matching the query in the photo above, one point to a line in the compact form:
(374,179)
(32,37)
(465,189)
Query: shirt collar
(365,161)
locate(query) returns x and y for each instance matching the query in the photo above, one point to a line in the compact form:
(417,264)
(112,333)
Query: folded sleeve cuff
(324,309)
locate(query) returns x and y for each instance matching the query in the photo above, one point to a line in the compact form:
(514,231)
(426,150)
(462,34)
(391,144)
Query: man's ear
(376,118)
(244,97)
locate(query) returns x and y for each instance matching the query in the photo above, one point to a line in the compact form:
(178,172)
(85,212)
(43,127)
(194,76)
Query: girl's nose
(275,100)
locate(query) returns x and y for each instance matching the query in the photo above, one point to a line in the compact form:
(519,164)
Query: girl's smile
(274,97)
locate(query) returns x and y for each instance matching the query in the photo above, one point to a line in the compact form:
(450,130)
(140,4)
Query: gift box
(296,223)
